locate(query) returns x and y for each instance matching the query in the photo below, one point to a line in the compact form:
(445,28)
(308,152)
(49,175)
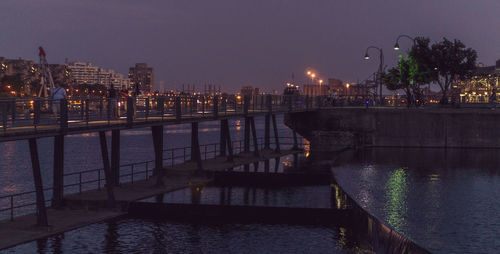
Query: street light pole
(380,68)
(396,45)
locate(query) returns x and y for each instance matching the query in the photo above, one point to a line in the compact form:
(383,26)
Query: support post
(107,170)
(267,132)
(195,146)
(254,134)
(58,175)
(115,156)
(41,212)
(246,140)
(229,143)
(295,141)
(158,171)
(276,138)
(223,137)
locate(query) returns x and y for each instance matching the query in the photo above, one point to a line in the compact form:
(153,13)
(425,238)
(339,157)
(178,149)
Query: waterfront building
(141,78)
(88,74)
(479,88)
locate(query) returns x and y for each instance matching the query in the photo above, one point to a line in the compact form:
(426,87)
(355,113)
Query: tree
(452,62)
(403,77)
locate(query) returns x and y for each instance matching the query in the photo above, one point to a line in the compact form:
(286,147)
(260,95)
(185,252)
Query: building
(315,90)
(87,74)
(479,88)
(141,78)
(249,90)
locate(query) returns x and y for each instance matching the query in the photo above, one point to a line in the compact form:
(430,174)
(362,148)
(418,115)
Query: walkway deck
(88,207)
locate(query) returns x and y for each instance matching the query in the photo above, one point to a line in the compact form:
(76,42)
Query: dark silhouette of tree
(453,62)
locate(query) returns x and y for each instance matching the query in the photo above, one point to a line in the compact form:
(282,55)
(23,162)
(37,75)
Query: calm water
(130,235)
(448,201)
(82,152)
(144,236)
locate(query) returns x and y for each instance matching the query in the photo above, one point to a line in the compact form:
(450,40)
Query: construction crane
(46,81)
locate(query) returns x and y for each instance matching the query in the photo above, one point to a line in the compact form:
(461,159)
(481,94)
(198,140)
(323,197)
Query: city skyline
(239,44)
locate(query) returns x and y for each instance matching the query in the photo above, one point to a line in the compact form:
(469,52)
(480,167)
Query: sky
(235,43)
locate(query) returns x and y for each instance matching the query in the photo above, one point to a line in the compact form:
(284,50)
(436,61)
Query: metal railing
(129,173)
(28,115)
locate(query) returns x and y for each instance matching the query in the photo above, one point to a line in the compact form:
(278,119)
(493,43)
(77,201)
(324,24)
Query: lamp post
(396,45)
(380,68)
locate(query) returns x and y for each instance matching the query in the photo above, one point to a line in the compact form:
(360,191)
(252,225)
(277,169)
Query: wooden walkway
(89,207)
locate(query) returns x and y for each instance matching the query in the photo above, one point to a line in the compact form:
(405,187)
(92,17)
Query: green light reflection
(396,206)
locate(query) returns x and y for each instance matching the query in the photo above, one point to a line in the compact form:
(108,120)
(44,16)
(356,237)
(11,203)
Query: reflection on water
(130,235)
(396,208)
(445,200)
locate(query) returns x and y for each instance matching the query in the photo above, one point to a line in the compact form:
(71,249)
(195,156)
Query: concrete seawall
(340,128)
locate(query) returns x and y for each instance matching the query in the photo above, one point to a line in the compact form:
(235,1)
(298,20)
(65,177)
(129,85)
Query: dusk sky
(234,43)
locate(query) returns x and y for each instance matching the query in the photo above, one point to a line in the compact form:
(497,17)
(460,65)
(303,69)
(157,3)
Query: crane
(46,81)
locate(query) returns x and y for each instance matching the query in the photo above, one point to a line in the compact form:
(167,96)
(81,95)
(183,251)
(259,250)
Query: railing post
(36,111)
(82,109)
(216,106)
(246,104)
(63,116)
(224,103)
(178,111)
(160,106)
(269,103)
(147,108)
(130,111)
(87,117)
(3,106)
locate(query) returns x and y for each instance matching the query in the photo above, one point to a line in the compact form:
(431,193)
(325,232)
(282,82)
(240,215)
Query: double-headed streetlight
(380,68)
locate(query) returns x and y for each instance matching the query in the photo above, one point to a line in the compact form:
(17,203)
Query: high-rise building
(142,78)
(87,74)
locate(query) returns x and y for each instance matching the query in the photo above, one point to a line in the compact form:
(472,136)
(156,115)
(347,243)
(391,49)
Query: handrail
(81,181)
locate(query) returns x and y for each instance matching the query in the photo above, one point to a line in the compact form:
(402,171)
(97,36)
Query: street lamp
(380,68)
(396,46)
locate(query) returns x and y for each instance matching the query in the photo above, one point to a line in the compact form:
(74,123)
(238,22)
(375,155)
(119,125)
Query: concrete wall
(336,129)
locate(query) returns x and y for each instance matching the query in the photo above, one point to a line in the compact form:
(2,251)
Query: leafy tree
(402,77)
(453,62)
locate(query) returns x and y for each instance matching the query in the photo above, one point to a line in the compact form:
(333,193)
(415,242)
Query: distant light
(396,46)
(347,85)
(367,56)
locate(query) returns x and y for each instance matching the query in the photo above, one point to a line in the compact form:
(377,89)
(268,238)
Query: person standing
(58,93)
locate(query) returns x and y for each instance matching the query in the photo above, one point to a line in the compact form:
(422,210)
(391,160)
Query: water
(445,200)
(146,236)
(82,152)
